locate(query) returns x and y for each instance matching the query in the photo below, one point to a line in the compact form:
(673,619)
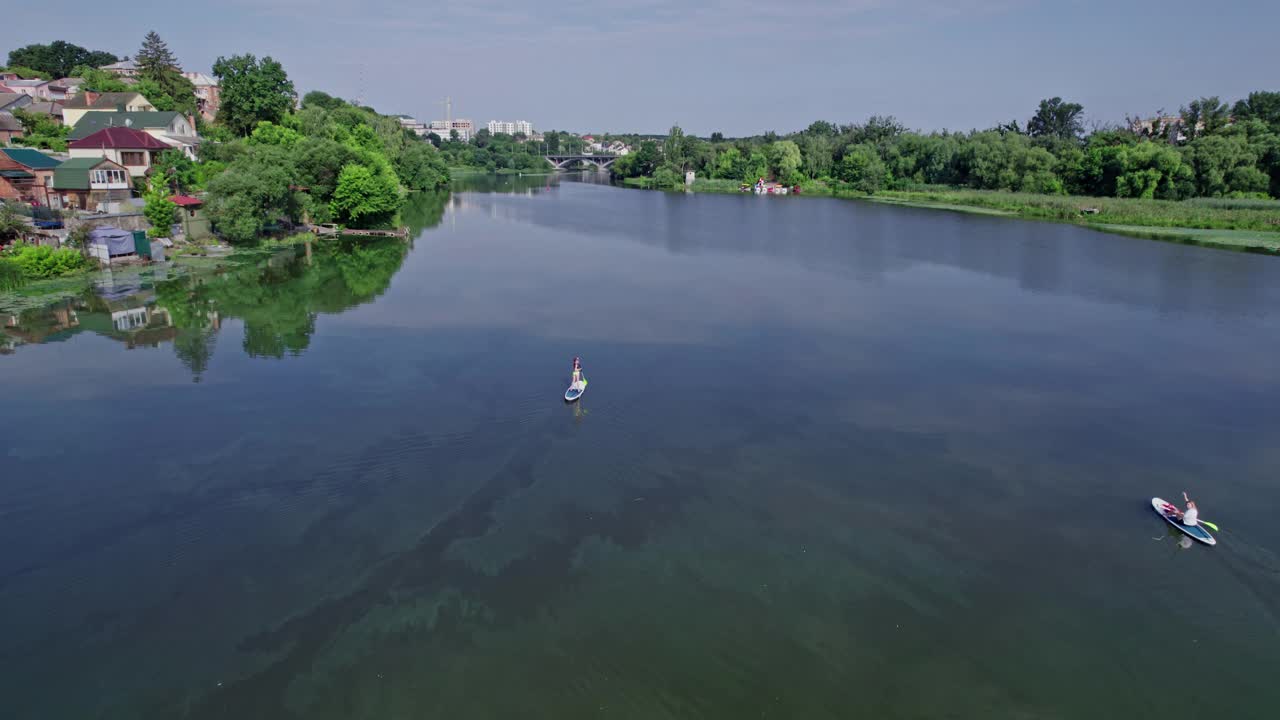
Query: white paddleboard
(1197,532)
(575,390)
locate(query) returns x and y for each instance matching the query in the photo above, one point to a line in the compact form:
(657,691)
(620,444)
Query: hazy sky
(739,67)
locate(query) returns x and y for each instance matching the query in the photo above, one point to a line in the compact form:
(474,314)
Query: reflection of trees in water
(194,348)
(278,300)
(423,211)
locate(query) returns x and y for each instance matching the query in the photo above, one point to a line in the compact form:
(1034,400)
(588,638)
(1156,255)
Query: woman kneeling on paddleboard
(1191,517)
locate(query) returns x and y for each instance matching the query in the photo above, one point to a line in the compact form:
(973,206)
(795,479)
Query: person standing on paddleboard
(577,370)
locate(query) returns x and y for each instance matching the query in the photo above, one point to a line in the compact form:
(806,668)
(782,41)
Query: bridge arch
(602,162)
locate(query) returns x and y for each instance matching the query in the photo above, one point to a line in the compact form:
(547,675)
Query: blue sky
(738,67)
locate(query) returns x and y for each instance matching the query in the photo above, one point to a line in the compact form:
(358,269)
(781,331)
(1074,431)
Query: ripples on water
(836,459)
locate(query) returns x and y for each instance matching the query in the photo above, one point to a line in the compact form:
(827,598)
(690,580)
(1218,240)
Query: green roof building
(29,158)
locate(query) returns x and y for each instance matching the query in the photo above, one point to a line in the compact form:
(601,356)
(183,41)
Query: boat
(1168,510)
(575,390)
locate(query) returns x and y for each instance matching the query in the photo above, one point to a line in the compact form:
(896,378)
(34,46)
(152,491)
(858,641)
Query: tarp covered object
(117,241)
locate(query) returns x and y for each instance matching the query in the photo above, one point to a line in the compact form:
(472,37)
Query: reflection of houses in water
(49,324)
(133,319)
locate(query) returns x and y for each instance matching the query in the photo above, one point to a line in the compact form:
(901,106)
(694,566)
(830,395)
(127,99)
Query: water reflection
(278,296)
(870,241)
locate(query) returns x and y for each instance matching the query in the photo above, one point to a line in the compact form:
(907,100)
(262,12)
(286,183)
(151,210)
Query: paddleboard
(575,390)
(1198,532)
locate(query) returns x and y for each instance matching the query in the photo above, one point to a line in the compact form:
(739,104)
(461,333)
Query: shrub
(11,277)
(41,261)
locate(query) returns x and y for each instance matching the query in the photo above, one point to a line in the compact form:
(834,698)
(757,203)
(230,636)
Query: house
(10,128)
(91,183)
(7,90)
(134,149)
(64,88)
(169,127)
(125,68)
(53,110)
(26,175)
(207,94)
(37,89)
(90,101)
(14,101)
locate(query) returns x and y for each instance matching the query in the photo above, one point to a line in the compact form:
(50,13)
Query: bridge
(601,161)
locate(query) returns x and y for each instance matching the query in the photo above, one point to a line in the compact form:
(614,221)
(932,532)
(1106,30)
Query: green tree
(1264,106)
(1057,119)
(161,212)
(251,91)
(729,164)
(821,128)
(421,168)
(176,171)
(1152,170)
(99,80)
(159,78)
(876,130)
(322,100)
(756,166)
(862,168)
(11,223)
(269,133)
(673,148)
(27,73)
(252,193)
(41,131)
(1223,165)
(59,58)
(364,196)
(154,57)
(785,161)
(1204,116)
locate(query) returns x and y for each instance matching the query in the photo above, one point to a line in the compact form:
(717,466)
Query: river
(836,459)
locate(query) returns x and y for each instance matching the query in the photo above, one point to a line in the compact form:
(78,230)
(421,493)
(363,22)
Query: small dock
(332,229)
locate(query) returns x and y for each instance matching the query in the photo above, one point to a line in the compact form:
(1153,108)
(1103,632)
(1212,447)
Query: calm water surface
(836,460)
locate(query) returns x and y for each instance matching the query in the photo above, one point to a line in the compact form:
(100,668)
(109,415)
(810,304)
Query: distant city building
(1170,125)
(418,128)
(465,128)
(520,127)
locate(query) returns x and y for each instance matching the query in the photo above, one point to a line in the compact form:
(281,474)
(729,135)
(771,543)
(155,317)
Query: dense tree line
(56,60)
(1211,150)
(494,152)
(329,161)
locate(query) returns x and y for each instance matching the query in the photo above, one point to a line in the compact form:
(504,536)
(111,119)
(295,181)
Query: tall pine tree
(159,78)
(154,58)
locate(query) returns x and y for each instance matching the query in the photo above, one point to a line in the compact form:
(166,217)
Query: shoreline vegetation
(1207,176)
(1234,224)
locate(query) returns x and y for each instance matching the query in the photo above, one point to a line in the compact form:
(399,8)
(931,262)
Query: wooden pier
(332,229)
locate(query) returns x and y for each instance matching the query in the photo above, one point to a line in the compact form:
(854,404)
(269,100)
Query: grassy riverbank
(1213,222)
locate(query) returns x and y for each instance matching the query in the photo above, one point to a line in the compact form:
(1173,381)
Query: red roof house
(134,149)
